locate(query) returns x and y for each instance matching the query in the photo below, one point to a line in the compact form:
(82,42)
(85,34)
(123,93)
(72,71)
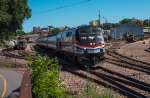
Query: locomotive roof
(89,27)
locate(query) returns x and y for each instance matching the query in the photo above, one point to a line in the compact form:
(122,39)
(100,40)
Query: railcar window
(68,34)
(63,34)
(59,35)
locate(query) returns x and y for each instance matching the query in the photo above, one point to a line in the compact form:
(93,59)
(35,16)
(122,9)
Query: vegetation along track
(124,84)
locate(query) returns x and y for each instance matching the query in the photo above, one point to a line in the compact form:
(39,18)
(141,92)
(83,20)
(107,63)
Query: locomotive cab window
(89,36)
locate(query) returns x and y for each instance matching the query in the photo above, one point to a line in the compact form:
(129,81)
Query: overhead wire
(65,6)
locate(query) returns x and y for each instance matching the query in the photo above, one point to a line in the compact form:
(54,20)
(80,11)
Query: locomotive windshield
(89,36)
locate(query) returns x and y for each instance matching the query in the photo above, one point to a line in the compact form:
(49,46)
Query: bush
(45,77)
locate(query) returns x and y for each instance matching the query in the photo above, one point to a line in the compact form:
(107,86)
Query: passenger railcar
(22,44)
(85,45)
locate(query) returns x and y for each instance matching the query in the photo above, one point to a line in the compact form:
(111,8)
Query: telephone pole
(99,15)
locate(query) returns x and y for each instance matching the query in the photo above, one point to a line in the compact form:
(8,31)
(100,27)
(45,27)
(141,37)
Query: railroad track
(147,50)
(12,54)
(126,62)
(27,52)
(123,84)
(20,54)
(117,59)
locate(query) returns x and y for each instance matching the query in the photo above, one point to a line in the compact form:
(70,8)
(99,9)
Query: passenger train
(84,45)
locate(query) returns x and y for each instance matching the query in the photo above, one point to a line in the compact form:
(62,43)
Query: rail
(25,91)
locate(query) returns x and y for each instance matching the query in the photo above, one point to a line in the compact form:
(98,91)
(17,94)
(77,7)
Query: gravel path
(137,50)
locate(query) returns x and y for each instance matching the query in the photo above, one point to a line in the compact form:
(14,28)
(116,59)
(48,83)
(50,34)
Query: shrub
(45,77)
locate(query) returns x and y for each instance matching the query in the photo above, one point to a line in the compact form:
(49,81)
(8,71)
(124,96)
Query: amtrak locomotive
(85,45)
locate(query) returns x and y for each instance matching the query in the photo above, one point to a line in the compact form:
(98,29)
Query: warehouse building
(118,32)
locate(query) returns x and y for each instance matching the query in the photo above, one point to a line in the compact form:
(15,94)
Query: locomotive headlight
(93,43)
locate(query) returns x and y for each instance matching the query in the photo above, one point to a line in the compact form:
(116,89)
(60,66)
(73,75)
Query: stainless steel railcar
(21,44)
(85,45)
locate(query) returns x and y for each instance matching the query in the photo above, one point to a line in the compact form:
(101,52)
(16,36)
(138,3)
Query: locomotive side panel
(65,43)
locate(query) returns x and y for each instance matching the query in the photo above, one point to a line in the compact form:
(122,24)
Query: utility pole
(149,25)
(99,15)
(106,20)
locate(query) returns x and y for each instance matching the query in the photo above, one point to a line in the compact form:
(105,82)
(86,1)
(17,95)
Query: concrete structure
(146,30)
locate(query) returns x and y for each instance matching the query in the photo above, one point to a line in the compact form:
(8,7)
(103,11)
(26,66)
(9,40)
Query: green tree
(20,33)
(19,11)
(125,21)
(12,15)
(55,31)
(5,17)
(146,23)
(108,26)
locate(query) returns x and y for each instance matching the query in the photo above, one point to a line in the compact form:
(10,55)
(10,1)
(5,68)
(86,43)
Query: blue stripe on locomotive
(97,50)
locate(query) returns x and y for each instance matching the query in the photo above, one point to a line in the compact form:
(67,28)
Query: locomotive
(84,45)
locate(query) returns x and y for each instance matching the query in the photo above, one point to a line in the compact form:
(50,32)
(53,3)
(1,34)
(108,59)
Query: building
(42,32)
(36,29)
(32,36)
(118,32)
(49,28)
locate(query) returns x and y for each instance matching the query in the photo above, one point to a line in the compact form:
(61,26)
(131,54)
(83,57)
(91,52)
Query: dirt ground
(137,50)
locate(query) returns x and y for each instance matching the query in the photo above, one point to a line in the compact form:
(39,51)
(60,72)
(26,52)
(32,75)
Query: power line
(65,6)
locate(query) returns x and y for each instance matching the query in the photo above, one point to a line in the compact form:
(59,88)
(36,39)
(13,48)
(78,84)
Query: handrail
(25,91)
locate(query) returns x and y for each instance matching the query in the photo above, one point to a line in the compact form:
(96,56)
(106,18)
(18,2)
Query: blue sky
(113,10)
